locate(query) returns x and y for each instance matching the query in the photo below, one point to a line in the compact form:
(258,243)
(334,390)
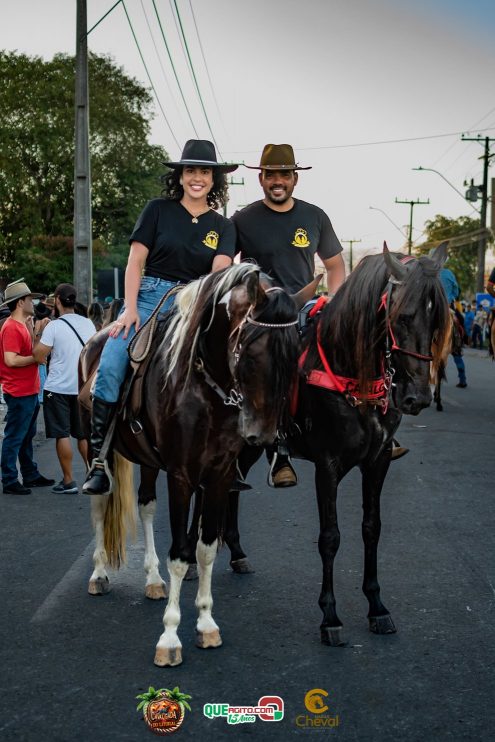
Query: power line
(149,77)
(173,68)
(206,67)
(195,78)
(172,97)
(365,144)
(103,17)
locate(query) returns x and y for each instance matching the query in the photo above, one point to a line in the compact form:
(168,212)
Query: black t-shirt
(180,250)
(284,243)
(492,276)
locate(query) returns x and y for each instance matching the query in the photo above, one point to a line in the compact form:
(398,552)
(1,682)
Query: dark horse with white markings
(366,362)
(220,377)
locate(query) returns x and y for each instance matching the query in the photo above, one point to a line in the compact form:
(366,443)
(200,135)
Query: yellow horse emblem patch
(301,238)
(211,240)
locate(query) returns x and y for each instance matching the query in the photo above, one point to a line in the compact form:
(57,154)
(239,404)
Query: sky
(364,90)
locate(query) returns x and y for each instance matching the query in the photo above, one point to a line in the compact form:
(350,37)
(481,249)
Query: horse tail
(120,514)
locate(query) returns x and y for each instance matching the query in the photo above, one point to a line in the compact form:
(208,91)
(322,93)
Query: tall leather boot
(98,481)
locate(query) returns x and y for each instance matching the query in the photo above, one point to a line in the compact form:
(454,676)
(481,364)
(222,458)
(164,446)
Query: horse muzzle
(413,400)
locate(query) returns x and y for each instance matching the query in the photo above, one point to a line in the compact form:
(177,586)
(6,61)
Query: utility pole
(351,242)
(412,204)
(480,276)
(232,182)
(83,248)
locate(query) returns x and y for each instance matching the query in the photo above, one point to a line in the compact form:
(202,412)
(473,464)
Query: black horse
(367,361)
(219,377)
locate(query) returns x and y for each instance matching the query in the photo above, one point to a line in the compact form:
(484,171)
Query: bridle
(234,398)
(390,336)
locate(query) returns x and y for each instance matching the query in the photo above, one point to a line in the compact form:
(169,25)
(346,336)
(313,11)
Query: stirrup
(102,465)
(291,480)
(239,484)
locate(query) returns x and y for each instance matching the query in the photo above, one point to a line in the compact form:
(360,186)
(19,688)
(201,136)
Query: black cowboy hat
(278,157)
(201,153)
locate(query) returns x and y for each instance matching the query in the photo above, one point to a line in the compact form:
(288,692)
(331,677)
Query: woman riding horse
(176,239)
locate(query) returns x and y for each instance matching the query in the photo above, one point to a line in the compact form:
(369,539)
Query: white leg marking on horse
(155,585)
(205,556)
(100,559)
(171,618)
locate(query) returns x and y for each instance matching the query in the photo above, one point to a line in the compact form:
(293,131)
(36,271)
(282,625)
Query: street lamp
(431,170)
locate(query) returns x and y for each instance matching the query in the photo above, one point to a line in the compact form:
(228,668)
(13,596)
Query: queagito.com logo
(268,708)
(315,702)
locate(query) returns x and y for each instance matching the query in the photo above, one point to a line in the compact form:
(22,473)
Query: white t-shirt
(62,373)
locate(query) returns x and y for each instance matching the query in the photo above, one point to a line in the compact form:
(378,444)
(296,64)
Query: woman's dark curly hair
(217,197)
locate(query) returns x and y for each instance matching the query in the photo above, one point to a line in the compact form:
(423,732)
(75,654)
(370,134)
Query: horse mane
(352,329)
(194,302)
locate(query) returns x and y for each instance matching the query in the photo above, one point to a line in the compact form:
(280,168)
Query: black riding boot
(98,481)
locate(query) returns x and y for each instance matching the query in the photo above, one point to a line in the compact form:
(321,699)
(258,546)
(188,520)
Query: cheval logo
(301,238)
(211,240)
(316,704)
(163,709)
(268,708)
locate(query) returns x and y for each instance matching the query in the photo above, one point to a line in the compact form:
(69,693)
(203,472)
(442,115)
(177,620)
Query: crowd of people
(41,338)
(177,238)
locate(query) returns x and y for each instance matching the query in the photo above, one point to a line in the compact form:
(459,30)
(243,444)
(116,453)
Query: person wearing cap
(177,238)
(19,338)
(283,234)
(63,339)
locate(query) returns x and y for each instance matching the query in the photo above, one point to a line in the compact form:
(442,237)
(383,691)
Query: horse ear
(396,268)
(254,290)
(307,293)
(439,254)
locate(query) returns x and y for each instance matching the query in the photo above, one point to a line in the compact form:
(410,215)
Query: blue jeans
(20,430)
(461,368)
(114,359)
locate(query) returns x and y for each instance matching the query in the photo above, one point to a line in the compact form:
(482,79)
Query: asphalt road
(72,664)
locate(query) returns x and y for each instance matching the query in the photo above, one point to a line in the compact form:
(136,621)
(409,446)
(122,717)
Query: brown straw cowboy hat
(278,157)
(201,153)
(17,290)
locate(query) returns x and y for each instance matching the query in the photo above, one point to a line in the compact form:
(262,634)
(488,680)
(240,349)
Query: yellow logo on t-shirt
(211,240)
(301,238)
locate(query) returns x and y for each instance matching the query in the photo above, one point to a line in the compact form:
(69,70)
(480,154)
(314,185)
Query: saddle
(140,355)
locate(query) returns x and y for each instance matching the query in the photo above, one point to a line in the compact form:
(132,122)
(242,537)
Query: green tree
(37,162)
(463,234)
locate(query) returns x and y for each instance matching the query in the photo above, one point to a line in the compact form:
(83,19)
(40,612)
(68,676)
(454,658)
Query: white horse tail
(120,514)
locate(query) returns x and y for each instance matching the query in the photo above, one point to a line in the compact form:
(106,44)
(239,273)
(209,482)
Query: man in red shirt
(21,384)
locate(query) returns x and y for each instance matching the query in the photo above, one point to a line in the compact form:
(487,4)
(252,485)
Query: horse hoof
(332,636)
(156,592)
(192,572)
(382,624)
(168,656)
(207,639)
(100,586)
(242,567)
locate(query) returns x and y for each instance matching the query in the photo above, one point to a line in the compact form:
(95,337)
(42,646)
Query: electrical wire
(149,76)
(195,78)
(172,97)
(206,68)
(173,68)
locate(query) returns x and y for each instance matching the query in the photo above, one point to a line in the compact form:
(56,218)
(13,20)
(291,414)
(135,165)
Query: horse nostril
(409,401)
(252,440)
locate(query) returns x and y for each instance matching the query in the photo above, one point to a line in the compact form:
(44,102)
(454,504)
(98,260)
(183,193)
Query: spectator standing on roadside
(478,327)
(95,314)
(19,376)
(63,340)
